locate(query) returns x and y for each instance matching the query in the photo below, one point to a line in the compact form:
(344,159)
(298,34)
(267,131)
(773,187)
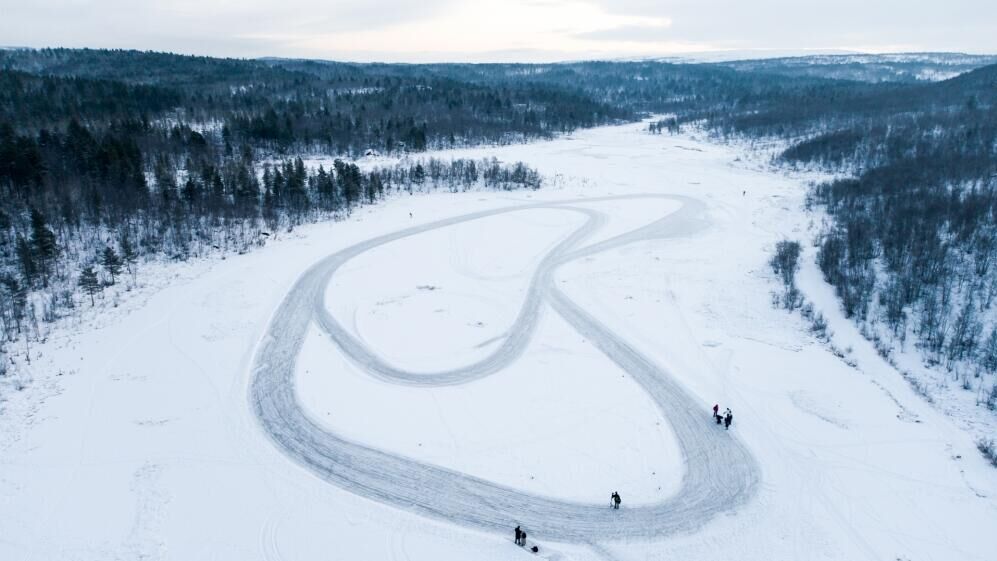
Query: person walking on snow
(728,419)
(519,535)
(716,407)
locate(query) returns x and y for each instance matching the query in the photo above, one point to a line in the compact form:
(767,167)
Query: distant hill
(898,67)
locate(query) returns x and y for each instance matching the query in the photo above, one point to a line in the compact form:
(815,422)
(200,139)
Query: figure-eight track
(720,473)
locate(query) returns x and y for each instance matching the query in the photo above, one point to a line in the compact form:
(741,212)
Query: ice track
(720,473)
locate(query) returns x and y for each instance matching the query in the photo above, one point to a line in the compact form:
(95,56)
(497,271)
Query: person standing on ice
(728,419)
(519,535)
(716,408)
(616,500)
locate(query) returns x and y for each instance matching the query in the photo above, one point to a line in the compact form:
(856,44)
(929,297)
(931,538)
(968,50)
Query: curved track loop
(720,473)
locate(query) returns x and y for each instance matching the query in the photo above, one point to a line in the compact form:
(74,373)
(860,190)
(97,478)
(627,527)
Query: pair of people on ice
(727,418)
(615,500)
(521,539)
(520,536)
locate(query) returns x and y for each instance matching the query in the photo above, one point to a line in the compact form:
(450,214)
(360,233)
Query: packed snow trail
(720,474)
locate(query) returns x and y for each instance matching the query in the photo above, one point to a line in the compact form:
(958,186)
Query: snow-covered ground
(137,439)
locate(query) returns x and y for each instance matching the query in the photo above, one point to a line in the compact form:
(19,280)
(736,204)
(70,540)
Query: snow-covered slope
(139,440)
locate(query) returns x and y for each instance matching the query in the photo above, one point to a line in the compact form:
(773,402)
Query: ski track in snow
(720,473)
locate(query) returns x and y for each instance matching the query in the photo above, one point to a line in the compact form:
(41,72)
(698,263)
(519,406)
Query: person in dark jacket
(616,501)
(728,419)
(519,535)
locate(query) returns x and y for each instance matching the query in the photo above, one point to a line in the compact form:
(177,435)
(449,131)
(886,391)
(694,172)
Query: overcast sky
(500,30)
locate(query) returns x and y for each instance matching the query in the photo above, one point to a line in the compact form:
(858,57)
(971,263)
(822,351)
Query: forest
(111,157)
(912,243)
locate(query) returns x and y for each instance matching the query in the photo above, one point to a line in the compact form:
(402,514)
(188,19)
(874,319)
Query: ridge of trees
(912,245)
(48,259)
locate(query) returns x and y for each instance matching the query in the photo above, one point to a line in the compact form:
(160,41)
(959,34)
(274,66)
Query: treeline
(297,105)
(345,109)
(690,92)
(913,247)
(901,67)
(54,258)
(913,242)
(915,237)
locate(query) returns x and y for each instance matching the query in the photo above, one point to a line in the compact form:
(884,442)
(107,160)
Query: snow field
(444,298)
(145,446)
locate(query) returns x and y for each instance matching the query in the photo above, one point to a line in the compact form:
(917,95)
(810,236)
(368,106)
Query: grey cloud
(951,25)
(246,29)
(639,33)
(251,28)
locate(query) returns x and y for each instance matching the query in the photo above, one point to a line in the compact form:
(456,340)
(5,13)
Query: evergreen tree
(5,226)
(43,243)
(418,174)
(270,215)
(89,282)
(988,353)
(325,186)
(26,259)
(16,293)
(375,187)
(128,255)
(112,263)
(348,177)
(191,192)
